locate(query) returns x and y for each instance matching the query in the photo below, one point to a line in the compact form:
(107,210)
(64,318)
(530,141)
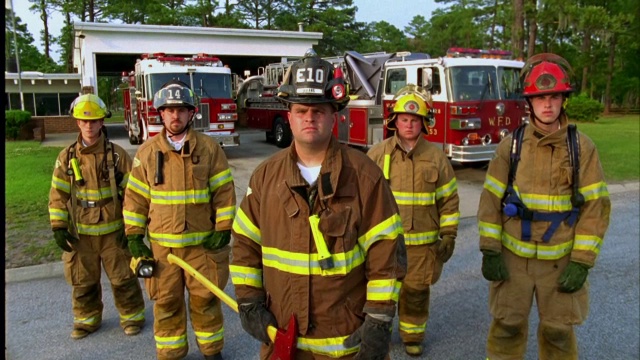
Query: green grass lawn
(618,141)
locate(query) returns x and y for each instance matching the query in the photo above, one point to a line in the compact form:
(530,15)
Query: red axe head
(286,342)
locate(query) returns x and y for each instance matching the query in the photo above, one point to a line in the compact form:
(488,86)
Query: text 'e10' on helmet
(546,74)
(174,94)
(313,80)
(89,107)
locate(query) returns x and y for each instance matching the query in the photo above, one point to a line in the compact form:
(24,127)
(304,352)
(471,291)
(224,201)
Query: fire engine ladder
(364,73)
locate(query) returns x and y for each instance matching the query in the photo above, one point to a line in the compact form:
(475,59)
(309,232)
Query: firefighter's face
(312,124)
(409,126)
(546,108)
(90,130)
(176,118)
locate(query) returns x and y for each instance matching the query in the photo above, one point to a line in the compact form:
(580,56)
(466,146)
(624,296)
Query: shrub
(15,120)
(583,108)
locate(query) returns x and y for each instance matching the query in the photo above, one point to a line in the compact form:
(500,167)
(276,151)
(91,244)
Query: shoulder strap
(516,147)
(573,144)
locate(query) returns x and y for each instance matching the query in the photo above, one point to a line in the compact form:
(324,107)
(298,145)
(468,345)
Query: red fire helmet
(546,74)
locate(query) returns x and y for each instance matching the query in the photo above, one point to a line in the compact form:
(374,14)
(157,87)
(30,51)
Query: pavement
(469,188)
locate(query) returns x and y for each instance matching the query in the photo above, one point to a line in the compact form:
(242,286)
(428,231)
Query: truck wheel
(282,133)
(133,140)
(270,137)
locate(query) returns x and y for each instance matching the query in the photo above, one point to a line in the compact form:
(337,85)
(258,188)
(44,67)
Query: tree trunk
(532,22)
(607,91)
(517,36)
(493,24)
(586,51)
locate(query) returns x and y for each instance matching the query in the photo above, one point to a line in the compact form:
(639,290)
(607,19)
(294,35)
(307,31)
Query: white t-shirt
(310,173)
(177,145)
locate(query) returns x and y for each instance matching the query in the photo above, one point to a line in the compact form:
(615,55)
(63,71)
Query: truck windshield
(205,85)
(480,83)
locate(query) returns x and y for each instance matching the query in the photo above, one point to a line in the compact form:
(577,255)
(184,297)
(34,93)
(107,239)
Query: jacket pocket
(200,176)
(70,267)
(151,284)
(334,228)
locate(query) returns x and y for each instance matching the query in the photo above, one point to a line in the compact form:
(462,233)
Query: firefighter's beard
(175,128)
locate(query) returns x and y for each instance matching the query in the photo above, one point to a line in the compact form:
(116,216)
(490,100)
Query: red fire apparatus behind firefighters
(207,77)
(475,93)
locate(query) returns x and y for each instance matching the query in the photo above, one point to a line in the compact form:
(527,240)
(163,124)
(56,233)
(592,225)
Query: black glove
(445,248)
(374,336)
(63,239)
(493,266)
(217,240)
(573,277)
(137,246)
(255,319)
(121,239)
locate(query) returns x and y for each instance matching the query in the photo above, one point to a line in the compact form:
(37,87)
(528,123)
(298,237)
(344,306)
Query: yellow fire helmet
(411,100)
(89,107)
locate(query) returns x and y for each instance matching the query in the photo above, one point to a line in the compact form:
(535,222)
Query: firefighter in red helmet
(542,219)
(425,188)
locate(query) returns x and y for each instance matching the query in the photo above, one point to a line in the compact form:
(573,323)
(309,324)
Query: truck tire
(269,137)
(133,140)
(281,133)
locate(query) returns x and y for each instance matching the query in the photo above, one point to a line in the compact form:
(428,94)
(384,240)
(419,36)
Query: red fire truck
(475,94)
(207,77)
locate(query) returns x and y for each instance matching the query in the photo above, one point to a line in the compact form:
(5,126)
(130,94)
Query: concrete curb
(35,272)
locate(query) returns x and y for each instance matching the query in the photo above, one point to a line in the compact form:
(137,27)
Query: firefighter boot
(413,348)
(81,333)
(132,330)
(217,356)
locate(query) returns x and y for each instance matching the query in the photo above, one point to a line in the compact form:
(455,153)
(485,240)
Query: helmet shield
(313,80)
(546,74)
(89,107)
(175,94)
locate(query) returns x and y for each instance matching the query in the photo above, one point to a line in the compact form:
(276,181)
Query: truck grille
(202,124)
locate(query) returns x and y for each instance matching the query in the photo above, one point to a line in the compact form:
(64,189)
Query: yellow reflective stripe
(387,162)
(139,187)
(421,238)
(58,214)
(245,275)
(447,189)
(318,238)
(93,320)
(328,346)
(171,342)
(389,229)
(220,179)
(449,219)
(99,229)
(489,230)
(134,219)
(494,186)
(94,195)
(225,213)
(587,243)
(205,337)
(547,202)
(309,264)
(180,197)
(137,316)
(381,290)
(125,180)
(409,198)
(243,226)
(179,240)
(594,191)
(60,184)
(412,328)
(533,250)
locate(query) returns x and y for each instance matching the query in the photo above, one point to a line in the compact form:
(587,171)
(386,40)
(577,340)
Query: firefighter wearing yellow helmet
(85,212)
(425,188)
(543,214)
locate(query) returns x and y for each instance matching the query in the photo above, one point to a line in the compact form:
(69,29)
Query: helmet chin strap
(186,127)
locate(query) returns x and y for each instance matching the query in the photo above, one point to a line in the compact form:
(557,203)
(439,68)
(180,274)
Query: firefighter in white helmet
(181,195)
(425,188)
(85,209)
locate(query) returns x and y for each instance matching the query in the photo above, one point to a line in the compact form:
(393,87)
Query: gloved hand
(63,239)
(121,239)
(445,247)
(255,317)
(493,266)
(374,336)
(573,277)
(137,246)
(217,240)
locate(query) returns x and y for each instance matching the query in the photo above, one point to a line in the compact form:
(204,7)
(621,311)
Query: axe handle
(272,331)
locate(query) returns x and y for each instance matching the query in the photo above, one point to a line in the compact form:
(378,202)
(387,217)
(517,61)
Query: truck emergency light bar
(200,58)
(478,53)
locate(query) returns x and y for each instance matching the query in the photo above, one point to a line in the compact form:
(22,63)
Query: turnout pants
(510,303)
(423,270)
(166,288)
(82,270)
